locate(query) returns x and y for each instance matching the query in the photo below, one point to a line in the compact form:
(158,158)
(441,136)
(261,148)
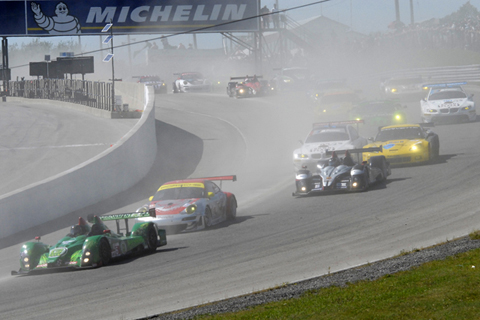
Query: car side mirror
(370,139)
(424,100)
(210,195)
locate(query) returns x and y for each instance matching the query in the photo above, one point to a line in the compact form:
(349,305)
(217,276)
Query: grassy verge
(446,289)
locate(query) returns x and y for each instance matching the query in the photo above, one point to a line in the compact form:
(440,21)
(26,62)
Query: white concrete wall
(113,171)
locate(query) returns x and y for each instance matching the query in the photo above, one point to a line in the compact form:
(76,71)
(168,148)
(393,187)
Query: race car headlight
(191,209)
(241,90)
(300,156)
(425,88)
(415,148)
(358,118)
(163,84)
(466,108)
(398,117)
(393,90)
(432,110)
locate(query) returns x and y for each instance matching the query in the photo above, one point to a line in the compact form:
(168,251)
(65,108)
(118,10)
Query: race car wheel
(379,162)
(151,238)
(366,184)
(105,252)
(232,210)
(207,218)
(175,89)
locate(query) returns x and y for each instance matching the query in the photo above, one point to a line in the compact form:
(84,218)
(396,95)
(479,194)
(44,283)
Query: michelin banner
(88,17)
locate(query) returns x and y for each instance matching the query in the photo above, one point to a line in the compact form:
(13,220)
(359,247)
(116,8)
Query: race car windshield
(443,95)
(179,193)
(327,136)
(399,133)
(78,230)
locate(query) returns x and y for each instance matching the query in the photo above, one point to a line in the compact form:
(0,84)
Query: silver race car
(326,137)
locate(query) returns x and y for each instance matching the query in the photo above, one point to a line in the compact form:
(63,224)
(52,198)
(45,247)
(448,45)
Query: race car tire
(379,162)
(232,210)
(175,89)
(105,252)
(151,238)
(207,218)
(366,184)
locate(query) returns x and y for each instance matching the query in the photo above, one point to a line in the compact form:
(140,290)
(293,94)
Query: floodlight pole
(113,67)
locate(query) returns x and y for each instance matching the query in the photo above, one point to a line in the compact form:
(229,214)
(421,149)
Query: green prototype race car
(92,246)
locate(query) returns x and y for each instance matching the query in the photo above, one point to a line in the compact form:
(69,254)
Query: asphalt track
(276,238)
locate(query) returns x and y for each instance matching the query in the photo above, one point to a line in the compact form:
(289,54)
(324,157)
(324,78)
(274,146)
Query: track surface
(276,238)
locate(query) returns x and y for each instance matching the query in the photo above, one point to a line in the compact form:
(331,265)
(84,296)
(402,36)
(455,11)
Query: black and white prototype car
(191,82)
(342,174)
(327,137)
(448,102)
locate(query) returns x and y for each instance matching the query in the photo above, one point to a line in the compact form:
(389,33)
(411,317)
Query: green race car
(379,112)
(92,246)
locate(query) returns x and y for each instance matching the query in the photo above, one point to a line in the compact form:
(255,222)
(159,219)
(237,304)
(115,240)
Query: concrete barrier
(113,171)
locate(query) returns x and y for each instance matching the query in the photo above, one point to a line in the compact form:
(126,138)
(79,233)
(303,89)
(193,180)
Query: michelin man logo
(61,23)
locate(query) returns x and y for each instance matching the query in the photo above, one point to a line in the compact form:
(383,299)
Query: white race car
(403,85)
(323,139)
(191,82)
(448,102)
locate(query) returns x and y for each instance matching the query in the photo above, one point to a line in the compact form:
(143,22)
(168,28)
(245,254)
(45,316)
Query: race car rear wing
(336,123)
(445,85)
(220,178)
(360,150)
(249,77)
(120,216)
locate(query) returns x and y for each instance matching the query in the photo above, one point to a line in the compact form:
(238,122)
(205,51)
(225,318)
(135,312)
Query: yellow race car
(405,144)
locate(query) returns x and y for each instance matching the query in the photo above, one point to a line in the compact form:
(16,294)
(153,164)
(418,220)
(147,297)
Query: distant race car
(292,79)
(448,102)
(379,112)
(191,204)
(319,87)
(92,246)
(342,174)
(336,104)
(191,82)
(403,85)
(406,144)
(158,85)
(326,137)
(250,86)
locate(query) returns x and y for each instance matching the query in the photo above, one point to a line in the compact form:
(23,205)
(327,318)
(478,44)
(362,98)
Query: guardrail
(469,73)
(93,94)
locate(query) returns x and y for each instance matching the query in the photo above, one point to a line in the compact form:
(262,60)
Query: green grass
(447,289)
